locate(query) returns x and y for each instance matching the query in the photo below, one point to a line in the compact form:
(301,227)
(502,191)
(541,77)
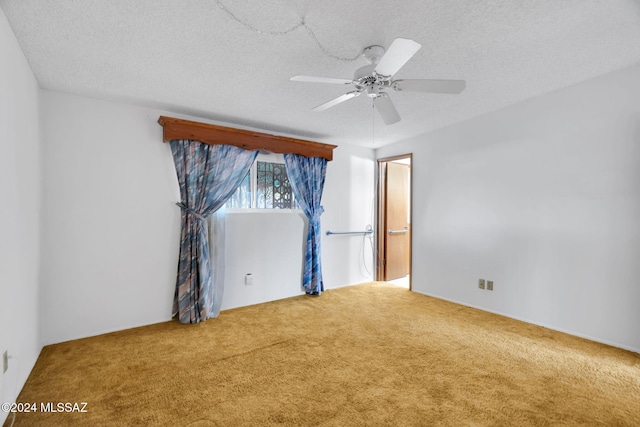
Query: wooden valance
(249,140)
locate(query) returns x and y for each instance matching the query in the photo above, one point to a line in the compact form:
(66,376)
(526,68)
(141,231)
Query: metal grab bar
(329,232)
(403,231)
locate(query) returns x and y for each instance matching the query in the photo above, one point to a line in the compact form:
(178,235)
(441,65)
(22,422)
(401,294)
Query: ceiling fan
(377,77)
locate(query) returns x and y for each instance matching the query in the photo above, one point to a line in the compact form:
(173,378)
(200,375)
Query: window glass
(273,187)
(266,186)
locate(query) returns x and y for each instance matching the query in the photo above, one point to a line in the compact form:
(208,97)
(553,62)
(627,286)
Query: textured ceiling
(211,58)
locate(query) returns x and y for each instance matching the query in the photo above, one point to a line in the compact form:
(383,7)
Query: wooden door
(397,234)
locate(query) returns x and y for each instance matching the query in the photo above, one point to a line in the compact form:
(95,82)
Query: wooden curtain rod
(249,140)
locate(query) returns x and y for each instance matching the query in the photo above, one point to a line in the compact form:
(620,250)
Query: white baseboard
(544,325)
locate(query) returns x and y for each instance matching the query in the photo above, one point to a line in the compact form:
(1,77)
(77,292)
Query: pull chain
(373,122)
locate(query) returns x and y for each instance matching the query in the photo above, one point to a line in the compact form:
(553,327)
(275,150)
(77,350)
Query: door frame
(380,215)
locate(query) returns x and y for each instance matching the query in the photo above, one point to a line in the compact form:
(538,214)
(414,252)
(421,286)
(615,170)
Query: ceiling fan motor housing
(365,79)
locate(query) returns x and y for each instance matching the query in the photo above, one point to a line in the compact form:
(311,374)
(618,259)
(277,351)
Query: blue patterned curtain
(208,175)
(306,175)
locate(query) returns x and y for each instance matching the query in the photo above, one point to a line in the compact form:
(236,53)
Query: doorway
(393,263)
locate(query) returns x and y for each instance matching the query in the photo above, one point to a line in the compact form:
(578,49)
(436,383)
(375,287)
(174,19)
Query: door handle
(403,231)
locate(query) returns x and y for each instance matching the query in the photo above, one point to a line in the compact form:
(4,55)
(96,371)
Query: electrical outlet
(489,285)
(5,361)
(481,283)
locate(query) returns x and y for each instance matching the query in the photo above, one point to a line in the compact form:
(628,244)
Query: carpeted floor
(371,354)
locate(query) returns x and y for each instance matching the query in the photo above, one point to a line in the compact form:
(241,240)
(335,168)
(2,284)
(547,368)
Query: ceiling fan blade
(386,109)
(336,101)
(313,79)
(427,85)
(400,51)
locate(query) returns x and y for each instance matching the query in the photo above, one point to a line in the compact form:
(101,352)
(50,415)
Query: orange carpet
(366,355)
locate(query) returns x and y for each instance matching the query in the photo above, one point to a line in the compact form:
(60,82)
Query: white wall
(20,210)
(111,227)
(542,197)
(348,201)
(267,244)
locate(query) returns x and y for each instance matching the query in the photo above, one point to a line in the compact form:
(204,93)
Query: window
(266,186)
